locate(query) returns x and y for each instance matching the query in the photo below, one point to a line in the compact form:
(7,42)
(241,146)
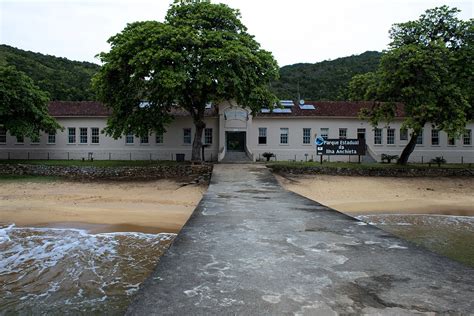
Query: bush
(268,155)
(438,161)
(389,158)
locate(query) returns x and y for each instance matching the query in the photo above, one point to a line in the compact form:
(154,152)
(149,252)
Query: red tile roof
(97,109)
(329,109)
(77,108)
(322,109)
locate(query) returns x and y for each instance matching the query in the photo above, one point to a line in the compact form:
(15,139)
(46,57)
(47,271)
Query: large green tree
(23,106)
(201,53)
(429,67)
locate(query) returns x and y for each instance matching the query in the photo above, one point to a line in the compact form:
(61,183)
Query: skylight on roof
(287,103)
(307,107)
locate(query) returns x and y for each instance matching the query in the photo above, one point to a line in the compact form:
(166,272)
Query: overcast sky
(294,31)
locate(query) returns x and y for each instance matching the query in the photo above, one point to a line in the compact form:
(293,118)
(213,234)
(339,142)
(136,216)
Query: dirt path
(150,207)
(365,195)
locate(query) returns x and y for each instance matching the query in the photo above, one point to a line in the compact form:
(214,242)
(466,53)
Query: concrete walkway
(253,248)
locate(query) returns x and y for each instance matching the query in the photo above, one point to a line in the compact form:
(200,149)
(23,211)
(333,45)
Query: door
(235,141)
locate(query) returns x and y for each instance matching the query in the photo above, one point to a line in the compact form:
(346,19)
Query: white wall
(295,149)
(108,147)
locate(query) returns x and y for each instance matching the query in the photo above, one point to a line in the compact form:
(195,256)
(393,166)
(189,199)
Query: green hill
(62,78)
(327,80)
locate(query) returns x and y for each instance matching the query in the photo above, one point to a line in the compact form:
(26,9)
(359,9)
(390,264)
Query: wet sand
(148,207)
(382,195)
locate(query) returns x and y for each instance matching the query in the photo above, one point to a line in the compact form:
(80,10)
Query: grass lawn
(95,163)
(353,165)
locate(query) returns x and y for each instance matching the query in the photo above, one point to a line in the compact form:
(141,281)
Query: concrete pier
(253,248)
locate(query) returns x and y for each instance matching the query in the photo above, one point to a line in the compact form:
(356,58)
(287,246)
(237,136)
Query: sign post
(339,147)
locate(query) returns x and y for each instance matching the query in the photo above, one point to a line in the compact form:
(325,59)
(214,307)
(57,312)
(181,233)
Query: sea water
(451,236)
(60,271)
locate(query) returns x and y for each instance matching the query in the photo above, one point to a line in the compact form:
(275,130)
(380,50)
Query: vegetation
(23,106)
(352,165)
(95,163)
(327,80)
(201,53)
(429,68)
(27,178)
(268,155)
(62,79)
(438,160)
(389,158)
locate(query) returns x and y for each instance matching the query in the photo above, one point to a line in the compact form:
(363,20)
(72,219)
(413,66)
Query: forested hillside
(327,80)
(62,78)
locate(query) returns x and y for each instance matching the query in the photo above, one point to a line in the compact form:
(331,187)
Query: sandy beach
(377,195)
(149,207)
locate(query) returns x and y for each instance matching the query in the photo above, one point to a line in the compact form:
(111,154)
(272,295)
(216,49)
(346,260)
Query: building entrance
(235,141)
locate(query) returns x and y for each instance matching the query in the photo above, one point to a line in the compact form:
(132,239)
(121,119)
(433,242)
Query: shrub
(389,158)
(268,155)
(438,161)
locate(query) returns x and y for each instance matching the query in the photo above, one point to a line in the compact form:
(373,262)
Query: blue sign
(318,141)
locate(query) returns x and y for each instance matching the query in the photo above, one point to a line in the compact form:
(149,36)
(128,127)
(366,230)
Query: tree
(23,106)
(201,53)
(428,67)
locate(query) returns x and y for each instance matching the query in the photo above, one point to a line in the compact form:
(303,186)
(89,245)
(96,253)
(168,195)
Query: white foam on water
(64,270)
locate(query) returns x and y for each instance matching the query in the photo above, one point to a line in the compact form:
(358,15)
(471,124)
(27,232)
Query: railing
(222,152)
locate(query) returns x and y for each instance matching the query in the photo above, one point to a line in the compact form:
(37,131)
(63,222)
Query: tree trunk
(197,143)
(403,160)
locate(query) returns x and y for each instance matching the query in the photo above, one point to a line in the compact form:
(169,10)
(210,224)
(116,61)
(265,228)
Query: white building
(289,133)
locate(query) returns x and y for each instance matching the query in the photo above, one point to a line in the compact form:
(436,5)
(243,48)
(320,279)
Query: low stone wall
(375,172)
(196,172)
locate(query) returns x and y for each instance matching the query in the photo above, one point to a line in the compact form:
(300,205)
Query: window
(83,135)
(129,139)
(20,139)
(3,135)
(306,135)
(71,132)
(342,133)
(283,135)
(390,136)
(324,133)
(94,135)
(208,136)
(187,136)
(262,135)
(467,137)
(35,139)
(361,133)
(144,139)
(403,134)
(419,139)
(52,137)
(377,136)
(434,137)
(159,138)
(451,141)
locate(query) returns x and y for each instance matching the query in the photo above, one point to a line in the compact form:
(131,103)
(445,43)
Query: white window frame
(208,136)
(306,136)
(187,136)
(83,138)
(390,136)
(144,140)
(378,136)
(3,135)
(451,141)
(95,138)
(419,138)
(403,134)
(52,137)
(71,137)
(324,132)
(360,131)
(467,137)
(434,137)
(342,133)
(284,135)
(262,135)
(129,139)
(159,139)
